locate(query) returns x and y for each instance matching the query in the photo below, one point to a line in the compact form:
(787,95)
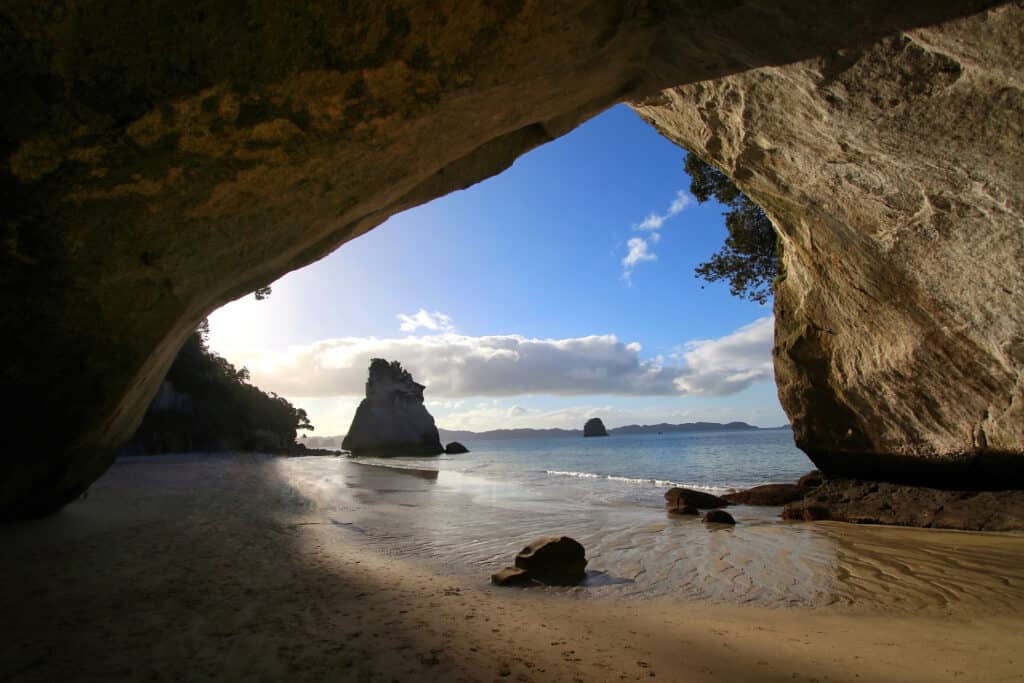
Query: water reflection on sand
(472,525)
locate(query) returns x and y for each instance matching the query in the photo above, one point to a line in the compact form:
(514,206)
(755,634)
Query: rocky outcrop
(679,498)
(392,420)
(594,427)
(892,173)
(455,448)
(149,175)
(868,502)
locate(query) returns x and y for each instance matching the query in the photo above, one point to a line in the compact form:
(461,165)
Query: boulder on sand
(594,427)
(392,419)
(553,560)
(679,498)
(718,517)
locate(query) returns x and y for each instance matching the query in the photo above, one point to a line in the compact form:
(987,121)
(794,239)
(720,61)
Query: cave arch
(161,162)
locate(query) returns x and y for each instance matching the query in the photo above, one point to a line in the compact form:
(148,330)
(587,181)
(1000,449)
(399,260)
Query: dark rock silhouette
(392,420)
(679,498)
(811,480)
(553,561)
(718,517)
(455,448)
(594,427)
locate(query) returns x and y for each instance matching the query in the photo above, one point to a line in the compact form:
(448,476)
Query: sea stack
(392,420)
(594,427)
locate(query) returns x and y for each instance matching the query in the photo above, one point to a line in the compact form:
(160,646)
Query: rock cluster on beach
(392,419)
(868,502)
(550,561)
(815,498)
(680,501)
(594,427)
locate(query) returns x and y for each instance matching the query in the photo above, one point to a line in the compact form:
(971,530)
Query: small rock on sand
(718,517)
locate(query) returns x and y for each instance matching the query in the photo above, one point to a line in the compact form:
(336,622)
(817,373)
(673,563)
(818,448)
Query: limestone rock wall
(895,175)
(159,159)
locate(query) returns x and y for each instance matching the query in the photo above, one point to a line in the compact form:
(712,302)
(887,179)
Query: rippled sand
(273,569)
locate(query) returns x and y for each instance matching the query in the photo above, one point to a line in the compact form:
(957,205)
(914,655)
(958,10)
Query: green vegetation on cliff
(206,404)
(749,259)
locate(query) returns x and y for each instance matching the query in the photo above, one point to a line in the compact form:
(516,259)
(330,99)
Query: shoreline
(221,567)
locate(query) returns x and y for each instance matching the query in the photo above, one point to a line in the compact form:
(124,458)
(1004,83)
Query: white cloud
(681,201)
(457,366)
(454,366)
(652,222)
(637,253)
(435,322)
(731,363)
(639,247)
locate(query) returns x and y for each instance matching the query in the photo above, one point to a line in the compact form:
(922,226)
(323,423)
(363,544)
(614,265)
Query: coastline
(185,567)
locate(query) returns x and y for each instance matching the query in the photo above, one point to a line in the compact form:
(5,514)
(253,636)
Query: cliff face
(893,174)
(392,419)
(159,162)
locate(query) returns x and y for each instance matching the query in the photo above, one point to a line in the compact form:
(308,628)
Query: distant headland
(662,428)
(528,433)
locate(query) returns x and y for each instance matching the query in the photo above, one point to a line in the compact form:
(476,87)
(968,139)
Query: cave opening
(590,241)
(137,211)
(159,163)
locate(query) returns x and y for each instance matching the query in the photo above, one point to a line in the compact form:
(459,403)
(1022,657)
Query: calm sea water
(628,466)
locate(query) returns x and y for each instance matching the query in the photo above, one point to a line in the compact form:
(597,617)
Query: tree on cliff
(216,408)
(749,260)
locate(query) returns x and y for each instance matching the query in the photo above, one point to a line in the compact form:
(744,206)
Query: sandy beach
(233,568)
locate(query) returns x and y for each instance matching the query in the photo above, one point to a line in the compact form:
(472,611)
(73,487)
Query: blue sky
(519,309)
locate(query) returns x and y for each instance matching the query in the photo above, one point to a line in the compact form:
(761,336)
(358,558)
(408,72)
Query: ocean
(621,468)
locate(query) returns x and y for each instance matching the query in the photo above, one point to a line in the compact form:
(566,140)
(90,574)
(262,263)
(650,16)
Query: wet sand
(237,569)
